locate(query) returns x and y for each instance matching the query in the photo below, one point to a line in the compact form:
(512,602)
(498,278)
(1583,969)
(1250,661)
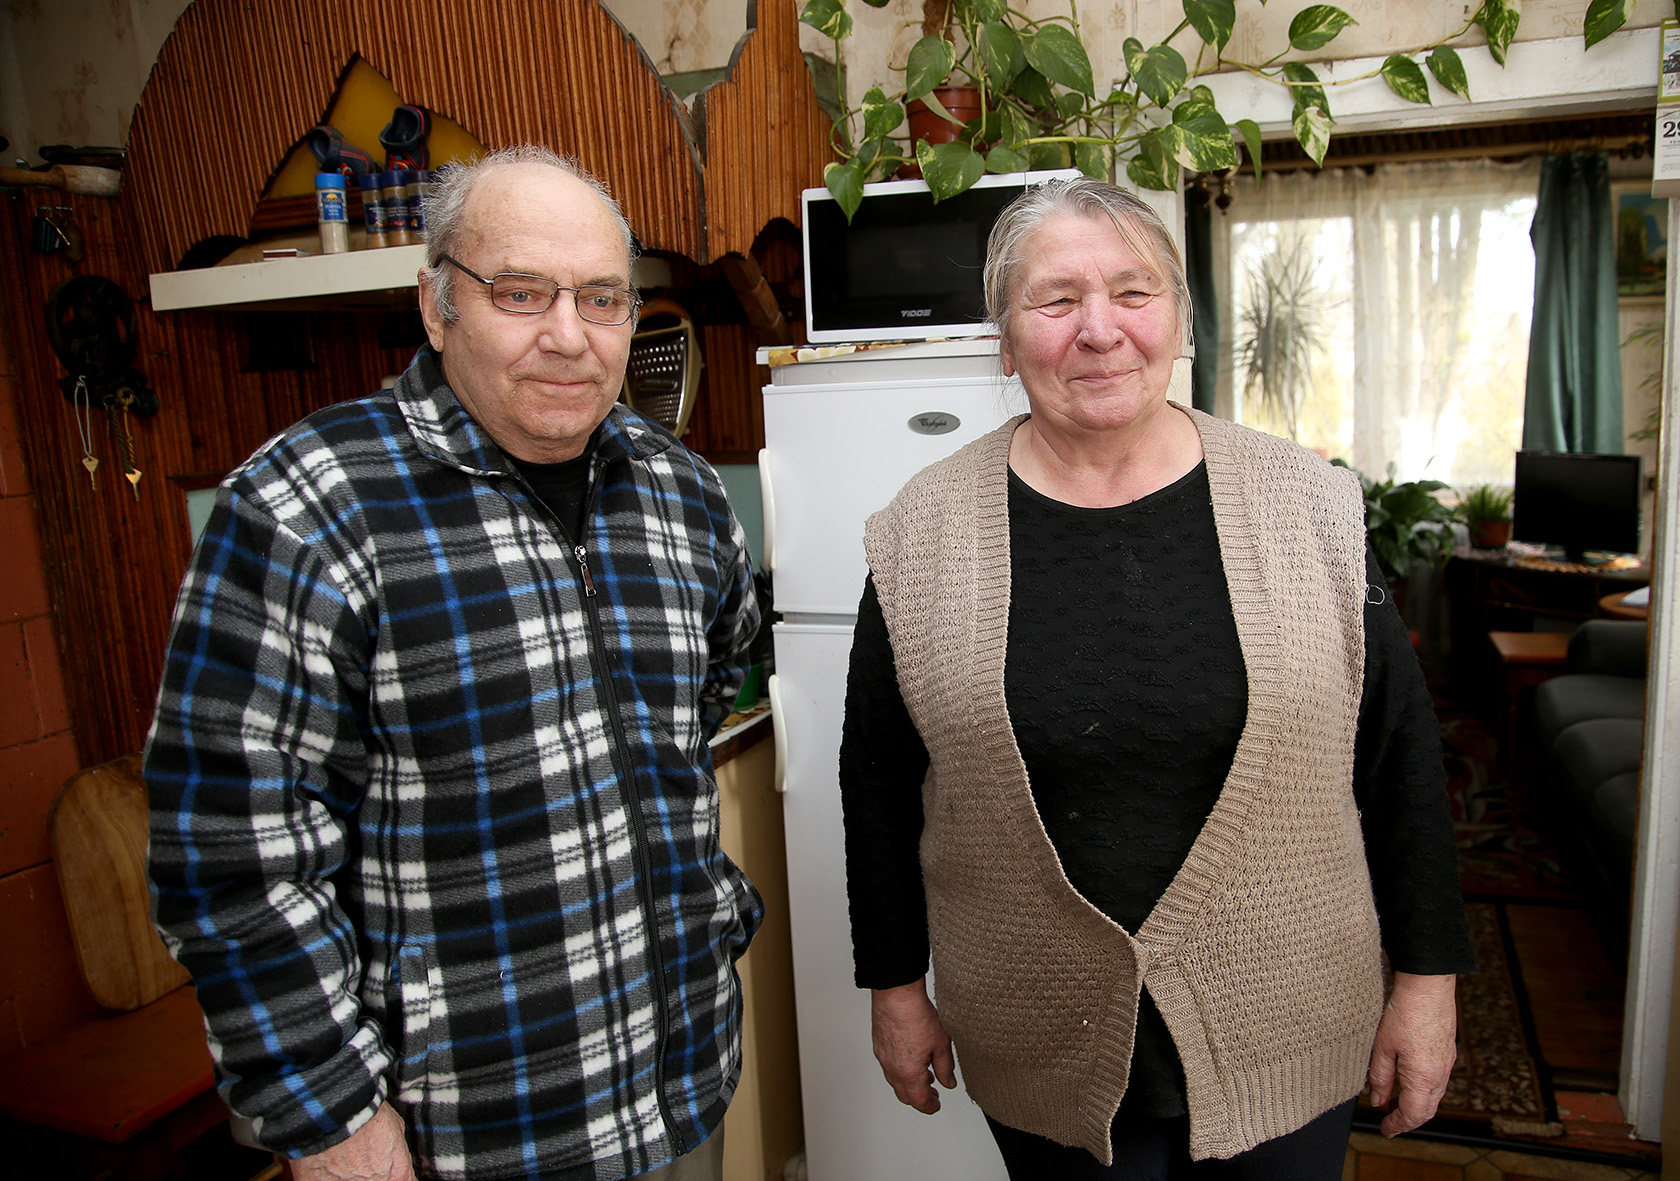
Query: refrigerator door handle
(778,726)
(768,497)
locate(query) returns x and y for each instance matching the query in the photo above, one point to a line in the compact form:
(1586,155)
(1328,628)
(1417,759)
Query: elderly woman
(1136,745)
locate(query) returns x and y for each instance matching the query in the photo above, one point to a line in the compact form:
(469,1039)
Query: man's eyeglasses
(531,295)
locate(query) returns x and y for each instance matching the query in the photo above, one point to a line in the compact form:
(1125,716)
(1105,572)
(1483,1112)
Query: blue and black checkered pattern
(433,817)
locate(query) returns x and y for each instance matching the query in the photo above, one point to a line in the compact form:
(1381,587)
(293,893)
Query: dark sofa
(1591,723)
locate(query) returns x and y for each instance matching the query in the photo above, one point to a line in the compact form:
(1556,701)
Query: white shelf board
(320,277)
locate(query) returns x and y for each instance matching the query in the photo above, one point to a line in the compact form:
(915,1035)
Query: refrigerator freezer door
(855,1128)
(836,453)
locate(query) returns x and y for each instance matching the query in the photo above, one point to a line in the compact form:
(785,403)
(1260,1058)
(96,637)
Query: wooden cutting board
(99,833)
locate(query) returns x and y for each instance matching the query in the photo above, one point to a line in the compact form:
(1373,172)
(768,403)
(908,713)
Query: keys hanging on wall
(118,408)
(82,401)
(90,322)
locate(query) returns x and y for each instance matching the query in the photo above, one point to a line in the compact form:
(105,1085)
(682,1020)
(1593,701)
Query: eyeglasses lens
(531,294)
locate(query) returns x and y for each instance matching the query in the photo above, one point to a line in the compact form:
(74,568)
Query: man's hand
(1415,1049)
(911,1045)
(377,1151)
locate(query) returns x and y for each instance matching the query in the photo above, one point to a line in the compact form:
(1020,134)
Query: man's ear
(429,314)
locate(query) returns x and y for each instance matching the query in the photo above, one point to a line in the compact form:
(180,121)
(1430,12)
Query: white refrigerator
(841,437)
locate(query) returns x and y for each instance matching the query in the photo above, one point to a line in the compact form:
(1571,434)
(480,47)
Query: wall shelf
(378,279)
(356,278)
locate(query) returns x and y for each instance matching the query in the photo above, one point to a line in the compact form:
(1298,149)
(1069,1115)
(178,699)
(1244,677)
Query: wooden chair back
(99,832)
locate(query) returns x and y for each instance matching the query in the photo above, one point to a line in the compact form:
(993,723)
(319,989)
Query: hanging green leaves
(1444,63)
(1001,55)
(1055,52)
(1002,159)
(1316,26)
(1498,19)
(1152,168)
(1213,20)
(948,168)
(845,182)
(1405,77)
(828,17)
(1250,132)
(1199,138)
(1160,71)
(1095,160)
(1304,88)
(1312,132)
(1041,109)
(1603,18)
(930,64)
(1033,88)
(881,115)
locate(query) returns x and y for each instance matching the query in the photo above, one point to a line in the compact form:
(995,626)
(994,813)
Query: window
(1382,317)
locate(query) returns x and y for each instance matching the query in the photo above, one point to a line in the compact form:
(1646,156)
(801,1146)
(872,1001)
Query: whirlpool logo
(934,422)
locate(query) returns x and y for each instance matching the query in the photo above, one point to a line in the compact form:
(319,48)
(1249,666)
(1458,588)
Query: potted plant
(1486,510)
(1406,523)
(1039,106)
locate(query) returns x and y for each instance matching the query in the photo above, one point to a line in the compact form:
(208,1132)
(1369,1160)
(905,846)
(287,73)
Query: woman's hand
(911,1044)
(1415,1049)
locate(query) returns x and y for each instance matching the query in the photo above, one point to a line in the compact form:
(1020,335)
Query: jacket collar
(443,430)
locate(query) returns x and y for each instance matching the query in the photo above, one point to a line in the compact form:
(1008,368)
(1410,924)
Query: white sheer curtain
(1421,287)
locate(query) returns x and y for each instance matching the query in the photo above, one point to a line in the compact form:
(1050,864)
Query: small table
(1526,659)
(1613,607)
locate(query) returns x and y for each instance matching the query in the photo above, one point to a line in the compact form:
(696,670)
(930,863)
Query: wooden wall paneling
(766,138)
(114,561)
(728,421)
(230,95)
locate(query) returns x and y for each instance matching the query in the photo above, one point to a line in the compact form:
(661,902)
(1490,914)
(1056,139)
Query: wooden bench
(131,1087)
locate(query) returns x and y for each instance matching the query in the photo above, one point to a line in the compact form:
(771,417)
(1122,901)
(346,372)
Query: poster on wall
(1665,177)
(1641,243)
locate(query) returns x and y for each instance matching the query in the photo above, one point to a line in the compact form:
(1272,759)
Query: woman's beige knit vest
(1263,953)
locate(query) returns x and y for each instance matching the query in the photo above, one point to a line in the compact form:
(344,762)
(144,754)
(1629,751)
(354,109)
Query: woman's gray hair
(1140,226)
(444,205)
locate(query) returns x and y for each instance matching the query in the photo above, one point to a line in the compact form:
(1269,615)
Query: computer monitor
(1577,501)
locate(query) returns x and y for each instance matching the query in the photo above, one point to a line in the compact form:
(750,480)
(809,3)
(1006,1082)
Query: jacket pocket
(414,983)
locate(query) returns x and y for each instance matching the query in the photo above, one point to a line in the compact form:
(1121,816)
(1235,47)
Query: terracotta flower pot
(964,104)
(1490,534)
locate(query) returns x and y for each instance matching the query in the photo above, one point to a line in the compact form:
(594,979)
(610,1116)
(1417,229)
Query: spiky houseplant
(1280,332)
(1486,512)
(1041,107)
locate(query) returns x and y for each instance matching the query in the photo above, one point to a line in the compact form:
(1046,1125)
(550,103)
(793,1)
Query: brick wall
(41,988)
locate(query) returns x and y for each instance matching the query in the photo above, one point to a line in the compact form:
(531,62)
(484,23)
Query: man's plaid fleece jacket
(433,818)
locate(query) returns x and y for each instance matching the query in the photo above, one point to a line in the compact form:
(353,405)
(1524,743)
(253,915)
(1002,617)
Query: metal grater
(657,374)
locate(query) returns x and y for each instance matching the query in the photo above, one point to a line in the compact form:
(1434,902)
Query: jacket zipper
(633,804)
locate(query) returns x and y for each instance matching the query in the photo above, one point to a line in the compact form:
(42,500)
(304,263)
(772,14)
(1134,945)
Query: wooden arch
(236,85)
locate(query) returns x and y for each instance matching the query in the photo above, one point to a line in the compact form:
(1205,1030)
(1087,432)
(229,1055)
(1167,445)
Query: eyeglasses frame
(490,283)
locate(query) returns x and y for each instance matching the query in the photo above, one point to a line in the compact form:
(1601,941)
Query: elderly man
(433,821)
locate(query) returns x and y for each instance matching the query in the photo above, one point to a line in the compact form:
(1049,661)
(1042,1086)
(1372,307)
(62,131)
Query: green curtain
(1204,302)
(1574,400)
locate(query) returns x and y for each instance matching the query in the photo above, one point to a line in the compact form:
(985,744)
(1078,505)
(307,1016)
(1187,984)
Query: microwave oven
(905,267)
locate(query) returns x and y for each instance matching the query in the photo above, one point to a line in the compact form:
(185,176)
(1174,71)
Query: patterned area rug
(1500,854)
(1496,1078)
